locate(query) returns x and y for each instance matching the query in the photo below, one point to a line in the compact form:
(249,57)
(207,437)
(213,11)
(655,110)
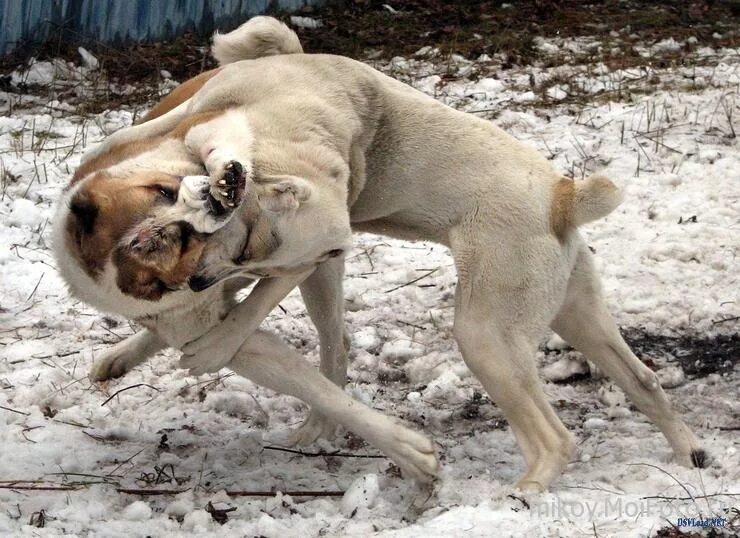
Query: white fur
(259,36)
(191,205)
(420,170)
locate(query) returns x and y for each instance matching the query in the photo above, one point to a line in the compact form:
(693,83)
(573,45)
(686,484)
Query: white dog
(138,216)
(416,169)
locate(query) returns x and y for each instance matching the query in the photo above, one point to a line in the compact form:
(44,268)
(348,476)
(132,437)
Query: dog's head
(289,227)
(126,244)
(138,237)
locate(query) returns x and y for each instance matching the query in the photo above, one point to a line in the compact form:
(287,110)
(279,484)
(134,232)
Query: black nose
(200,282)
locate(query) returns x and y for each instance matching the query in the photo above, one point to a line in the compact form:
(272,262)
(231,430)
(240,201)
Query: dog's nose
(200,282)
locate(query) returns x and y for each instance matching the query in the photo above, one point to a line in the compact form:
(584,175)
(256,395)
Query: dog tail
(259,36)
(578,202)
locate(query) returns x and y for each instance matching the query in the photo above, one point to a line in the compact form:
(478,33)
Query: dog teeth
(230,204)
(224,193)
(222,182)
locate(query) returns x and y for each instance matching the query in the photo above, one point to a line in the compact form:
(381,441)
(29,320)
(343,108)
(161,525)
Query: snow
(565,368)
(361,494)
(36,73)
(671,377)
(305,22)
(88,60)
(662,270)
(137,511)
(595,424)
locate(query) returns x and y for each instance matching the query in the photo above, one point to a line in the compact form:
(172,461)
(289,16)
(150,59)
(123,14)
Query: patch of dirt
(472,28)
(183,57)
(367,29)
(698,356)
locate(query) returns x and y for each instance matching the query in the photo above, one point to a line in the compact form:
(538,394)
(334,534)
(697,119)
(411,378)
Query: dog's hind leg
(585,323)
(268,361)
(504,300)
(322,293)
(126,355)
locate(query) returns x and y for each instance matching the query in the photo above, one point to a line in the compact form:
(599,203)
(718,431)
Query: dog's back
(258,37)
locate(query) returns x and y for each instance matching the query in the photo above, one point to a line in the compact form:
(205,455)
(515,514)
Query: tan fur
(121,202)
(179,95)
(562,207)
(149,277)
(261,241)
(127,150)
(120,205)
(594,198)
(191,121)
(112,156)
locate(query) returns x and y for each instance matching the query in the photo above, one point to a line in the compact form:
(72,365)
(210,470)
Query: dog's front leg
(125,355)
(213,350)
(322,294)
(268,361)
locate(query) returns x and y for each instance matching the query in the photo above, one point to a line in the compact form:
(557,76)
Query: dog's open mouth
(214,206)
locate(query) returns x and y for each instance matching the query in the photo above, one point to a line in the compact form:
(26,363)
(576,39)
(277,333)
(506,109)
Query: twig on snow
(662,497)
(14,411)
(725,320)
(39,488)
(676,480)
(336,454)
(236,493)
(413,281)
(128,388)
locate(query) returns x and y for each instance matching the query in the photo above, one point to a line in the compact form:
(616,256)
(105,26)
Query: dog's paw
(527,485)
(413,453)
(315,427)
(210,352)
(115,362)
(198,207)
(228,184)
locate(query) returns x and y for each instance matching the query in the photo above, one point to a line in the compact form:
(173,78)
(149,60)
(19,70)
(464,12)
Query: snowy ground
(669,257)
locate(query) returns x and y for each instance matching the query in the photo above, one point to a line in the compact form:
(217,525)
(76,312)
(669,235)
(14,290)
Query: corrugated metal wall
(24,22)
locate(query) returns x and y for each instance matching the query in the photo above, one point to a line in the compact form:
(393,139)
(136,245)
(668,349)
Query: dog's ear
(86,213)
(283,193)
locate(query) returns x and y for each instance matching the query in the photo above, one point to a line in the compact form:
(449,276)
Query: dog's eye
(167,193)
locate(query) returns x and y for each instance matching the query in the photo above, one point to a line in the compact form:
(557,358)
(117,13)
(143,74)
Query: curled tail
(259,36)
(578,202)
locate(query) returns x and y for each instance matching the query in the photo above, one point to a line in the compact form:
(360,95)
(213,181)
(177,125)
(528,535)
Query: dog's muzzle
(200,282)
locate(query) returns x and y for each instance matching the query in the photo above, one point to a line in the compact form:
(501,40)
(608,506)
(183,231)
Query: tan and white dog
(138,216)
(416,169)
